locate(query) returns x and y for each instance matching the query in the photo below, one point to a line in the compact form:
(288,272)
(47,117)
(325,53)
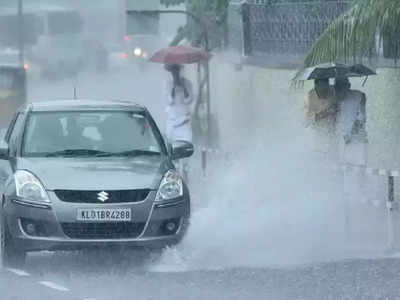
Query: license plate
(104,215)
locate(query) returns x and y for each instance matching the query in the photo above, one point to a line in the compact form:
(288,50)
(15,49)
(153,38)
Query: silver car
(79,174)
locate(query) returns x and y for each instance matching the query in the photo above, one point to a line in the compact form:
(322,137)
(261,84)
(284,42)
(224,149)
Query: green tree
(356,33)
(213,14)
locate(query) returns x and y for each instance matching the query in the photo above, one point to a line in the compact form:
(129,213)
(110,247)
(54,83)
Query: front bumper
(52,223)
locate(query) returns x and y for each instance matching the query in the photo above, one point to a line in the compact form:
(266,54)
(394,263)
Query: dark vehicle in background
(83,174)
(142,37)
(12,91)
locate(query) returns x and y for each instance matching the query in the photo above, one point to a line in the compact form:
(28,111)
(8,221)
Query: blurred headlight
(29,188)
(171,186)
(138,52)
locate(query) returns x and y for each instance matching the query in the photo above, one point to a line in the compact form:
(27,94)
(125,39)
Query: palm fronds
(213,14)
(356,33)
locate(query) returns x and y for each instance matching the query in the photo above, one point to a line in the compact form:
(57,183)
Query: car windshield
(89,134)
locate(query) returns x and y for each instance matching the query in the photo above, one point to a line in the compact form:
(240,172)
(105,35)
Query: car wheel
(10,256)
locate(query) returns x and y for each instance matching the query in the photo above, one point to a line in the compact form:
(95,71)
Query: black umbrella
(333,70)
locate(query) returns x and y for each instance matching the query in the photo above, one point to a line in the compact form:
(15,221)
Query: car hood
(97,173)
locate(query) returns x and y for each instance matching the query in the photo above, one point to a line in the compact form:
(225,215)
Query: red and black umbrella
(180,55)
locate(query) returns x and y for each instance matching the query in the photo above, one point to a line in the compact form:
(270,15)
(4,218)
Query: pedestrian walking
(321,108)
(351,128)
(179,95)
(179,98)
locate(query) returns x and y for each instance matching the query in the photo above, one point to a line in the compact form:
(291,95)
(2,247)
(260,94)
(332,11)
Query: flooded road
(69,277)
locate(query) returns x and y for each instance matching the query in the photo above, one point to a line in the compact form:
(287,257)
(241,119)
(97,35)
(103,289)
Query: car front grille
(121,196)
(115,230)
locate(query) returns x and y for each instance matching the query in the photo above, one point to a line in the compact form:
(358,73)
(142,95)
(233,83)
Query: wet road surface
(48,276)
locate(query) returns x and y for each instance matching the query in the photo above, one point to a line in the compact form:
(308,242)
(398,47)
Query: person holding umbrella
(179,91)
(179,99)
(321,110)
(351,129)
(352,114)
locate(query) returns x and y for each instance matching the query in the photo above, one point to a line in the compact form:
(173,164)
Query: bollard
(204,161)
(390,208)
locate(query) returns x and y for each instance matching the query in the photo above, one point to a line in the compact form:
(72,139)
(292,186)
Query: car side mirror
(182,149)
(4,150)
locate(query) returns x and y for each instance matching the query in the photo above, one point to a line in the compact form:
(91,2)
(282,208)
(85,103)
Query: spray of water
(275,203)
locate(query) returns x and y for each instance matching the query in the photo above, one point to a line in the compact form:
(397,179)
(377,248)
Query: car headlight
(171,186)
(138,51)
(28,187)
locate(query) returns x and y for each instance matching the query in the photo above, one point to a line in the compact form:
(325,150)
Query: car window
(112,132)
(15,134)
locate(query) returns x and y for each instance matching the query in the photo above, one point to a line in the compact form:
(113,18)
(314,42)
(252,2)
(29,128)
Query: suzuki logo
(102,196)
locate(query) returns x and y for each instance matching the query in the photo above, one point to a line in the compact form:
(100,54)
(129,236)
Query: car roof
(82,105)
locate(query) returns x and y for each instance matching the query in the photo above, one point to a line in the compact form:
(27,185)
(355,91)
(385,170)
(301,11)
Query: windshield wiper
(76,152)
(131,153)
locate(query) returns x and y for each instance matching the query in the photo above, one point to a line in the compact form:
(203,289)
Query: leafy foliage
(355,34)
(213,14)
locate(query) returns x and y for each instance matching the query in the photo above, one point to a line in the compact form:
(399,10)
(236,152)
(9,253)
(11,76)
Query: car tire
(10,256)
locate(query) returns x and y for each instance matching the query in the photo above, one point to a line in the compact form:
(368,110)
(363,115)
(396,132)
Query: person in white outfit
(179,95)
(351,129)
